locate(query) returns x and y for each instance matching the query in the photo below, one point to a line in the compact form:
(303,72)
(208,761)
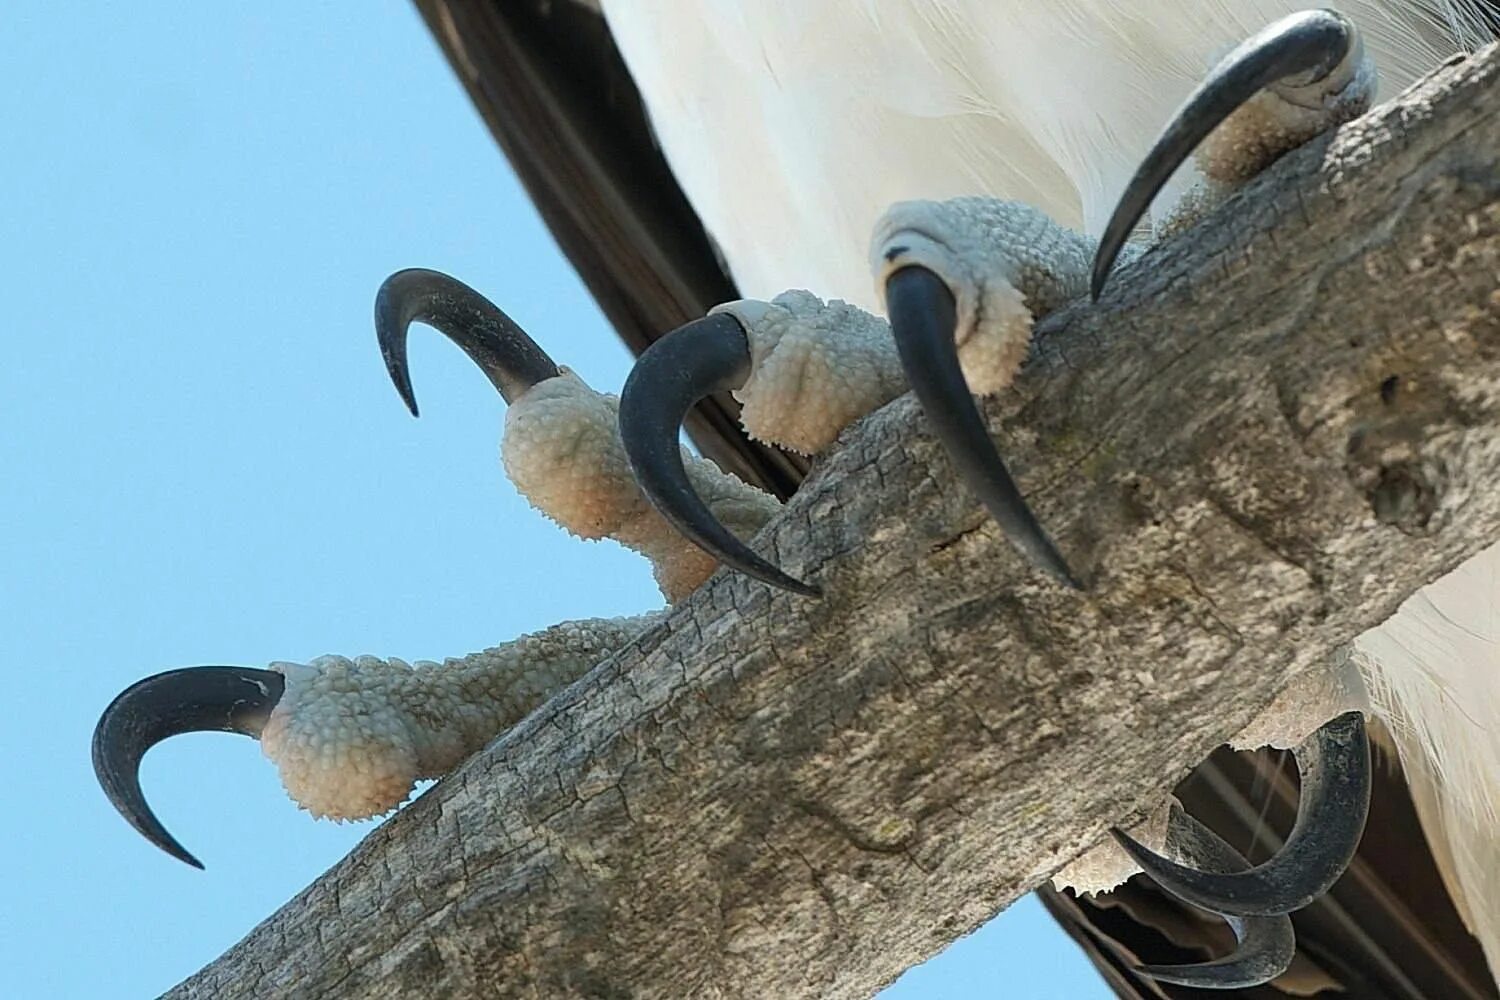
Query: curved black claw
(1335,799)
(512,360)
(704,356)
(191,700)
(923,318)
(1313,42)
(1265,946)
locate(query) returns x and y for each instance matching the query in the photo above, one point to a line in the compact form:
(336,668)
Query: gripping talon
(1312,42)
(1265,946)
(191,700)
(492,340)
(1335,799)
(923,317)
(704,356)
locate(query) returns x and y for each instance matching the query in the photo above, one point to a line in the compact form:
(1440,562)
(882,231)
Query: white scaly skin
(351,737)
(1006,264)
(816,367)
(562,451)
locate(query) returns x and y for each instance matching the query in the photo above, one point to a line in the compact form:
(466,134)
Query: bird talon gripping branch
(1265,945)
(351,737)
(561,447)
(963,282)
(1294,80)
(963,279)
(803,369)
(1335,766)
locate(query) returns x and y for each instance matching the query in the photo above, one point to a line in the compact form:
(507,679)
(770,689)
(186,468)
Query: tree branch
(1275,429)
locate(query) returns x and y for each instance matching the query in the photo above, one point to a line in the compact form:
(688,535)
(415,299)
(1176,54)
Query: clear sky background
(203,461)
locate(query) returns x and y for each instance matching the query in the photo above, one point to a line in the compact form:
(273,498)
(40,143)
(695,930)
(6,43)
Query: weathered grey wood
(1271,432)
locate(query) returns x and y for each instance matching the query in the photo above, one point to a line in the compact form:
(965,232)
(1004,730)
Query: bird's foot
(803,369)
(561,448)
(1296,79)
(350,738)
(963,281)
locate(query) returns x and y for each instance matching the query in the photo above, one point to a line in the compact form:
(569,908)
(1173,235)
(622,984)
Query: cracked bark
(1273,430)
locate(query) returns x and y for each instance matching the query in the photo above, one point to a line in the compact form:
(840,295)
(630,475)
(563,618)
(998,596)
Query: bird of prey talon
(969,274)
(1035,113)
(702,357)
(508,357)
(1335,767)
(350,737)
(1298,77)
(191,700)
(964,281)
(1265,945)
(802,368)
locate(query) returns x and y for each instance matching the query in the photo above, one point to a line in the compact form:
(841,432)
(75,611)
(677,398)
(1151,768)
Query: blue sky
(205,463)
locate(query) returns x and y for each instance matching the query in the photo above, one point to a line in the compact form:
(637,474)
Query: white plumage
(792,126)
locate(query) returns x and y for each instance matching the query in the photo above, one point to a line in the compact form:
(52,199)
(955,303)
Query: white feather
(793,124)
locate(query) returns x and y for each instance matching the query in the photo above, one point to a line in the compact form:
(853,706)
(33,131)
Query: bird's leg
(1301,76)
(350,737)
(963,278)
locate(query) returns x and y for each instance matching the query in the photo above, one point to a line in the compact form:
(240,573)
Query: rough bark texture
(1273,430)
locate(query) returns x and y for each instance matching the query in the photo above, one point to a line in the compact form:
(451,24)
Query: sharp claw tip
(781,580)
(408,397)
(1045,556)
(807,589)
(1100,277)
